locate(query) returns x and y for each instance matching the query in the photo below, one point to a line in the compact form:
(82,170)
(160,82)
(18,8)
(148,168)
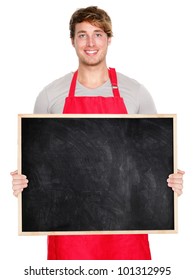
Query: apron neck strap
(113,80)
(73,84)
(114,83)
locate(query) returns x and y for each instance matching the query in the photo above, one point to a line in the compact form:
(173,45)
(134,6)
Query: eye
(82,36)
(98,35)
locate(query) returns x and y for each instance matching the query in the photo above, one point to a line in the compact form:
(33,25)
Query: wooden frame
(97,174)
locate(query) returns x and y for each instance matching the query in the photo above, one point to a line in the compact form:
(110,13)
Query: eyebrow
(95,31)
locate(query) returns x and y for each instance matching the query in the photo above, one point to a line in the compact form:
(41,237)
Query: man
(95,88)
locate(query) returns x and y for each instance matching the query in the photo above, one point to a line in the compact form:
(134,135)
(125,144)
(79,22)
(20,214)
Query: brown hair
(94,16)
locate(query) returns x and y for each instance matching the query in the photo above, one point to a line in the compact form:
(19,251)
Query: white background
(154,44)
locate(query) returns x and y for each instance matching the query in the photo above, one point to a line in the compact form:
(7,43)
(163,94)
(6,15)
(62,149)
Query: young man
(95,88)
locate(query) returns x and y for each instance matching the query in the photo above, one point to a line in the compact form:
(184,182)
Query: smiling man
(91,44)
(95,88)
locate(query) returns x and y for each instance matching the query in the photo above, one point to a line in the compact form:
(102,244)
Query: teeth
(91,52)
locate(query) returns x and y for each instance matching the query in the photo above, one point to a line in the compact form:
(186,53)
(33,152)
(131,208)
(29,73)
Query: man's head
(94,16)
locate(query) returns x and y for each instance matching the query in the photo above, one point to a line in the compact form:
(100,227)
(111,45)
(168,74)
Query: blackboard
(97,174)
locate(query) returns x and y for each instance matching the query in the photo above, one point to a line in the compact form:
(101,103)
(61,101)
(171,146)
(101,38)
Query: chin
(92,63)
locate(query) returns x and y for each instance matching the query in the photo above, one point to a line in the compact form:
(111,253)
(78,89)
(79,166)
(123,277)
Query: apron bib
(97,247)
(95,104)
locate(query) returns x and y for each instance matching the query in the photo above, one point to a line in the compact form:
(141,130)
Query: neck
(93,77)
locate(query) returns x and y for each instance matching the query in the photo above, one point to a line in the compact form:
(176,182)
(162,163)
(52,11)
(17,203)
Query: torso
(136,98)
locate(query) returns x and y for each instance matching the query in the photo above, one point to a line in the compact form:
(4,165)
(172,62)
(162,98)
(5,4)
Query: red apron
(97,247)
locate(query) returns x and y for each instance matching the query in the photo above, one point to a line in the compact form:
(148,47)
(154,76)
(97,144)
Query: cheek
(79,45)
(104,43)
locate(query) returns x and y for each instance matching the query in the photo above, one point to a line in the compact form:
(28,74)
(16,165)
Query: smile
(91,52)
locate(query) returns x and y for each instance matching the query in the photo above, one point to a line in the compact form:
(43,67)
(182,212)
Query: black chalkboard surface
(97,173)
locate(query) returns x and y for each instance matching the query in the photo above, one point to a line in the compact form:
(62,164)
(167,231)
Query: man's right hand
(19,182)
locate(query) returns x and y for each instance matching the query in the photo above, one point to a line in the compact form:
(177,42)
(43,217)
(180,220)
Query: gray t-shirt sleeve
(136,97)
(42,103)
(51,99)
(146,102)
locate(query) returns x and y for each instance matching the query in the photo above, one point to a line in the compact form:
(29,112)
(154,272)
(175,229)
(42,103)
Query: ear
(72,41)
(109,41)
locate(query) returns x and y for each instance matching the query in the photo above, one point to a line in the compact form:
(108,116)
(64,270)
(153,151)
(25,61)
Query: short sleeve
(146,102)
(41,104)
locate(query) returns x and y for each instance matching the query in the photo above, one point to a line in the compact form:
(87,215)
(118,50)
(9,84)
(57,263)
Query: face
(91,44)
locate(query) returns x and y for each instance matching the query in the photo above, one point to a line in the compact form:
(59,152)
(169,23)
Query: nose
(90,41)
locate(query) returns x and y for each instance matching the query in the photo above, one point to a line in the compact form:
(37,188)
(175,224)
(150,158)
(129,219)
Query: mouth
(91,52)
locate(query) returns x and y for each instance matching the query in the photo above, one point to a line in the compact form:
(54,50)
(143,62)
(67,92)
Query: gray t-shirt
(136,98)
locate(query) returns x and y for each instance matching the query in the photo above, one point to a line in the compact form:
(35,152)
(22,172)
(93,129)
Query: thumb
(14,173)
(180,171)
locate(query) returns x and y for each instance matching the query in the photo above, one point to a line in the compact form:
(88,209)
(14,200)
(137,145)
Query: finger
(19,180)
(177,191)
(180,171)
(14,172)
(16,184)
(19,176)
(17,192)
(19,187)
(175,186)
(175,181)
(175,176)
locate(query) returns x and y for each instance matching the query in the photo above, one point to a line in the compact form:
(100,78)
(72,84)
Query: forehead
(87,27)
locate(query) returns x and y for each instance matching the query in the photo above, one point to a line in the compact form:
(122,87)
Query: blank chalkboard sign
(93,174)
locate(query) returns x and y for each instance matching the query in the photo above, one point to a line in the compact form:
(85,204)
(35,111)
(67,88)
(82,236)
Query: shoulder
(59,83)
(57,88)
(51,98)
(137,97)
(131,85)
(128,82)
